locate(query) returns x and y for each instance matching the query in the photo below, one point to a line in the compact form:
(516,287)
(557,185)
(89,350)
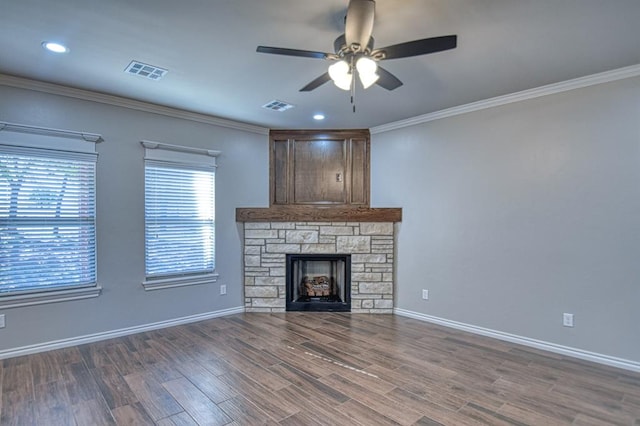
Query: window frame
(187,158)
(55,141)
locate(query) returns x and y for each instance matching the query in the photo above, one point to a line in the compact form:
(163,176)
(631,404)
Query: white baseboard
(80,340)
(538,344)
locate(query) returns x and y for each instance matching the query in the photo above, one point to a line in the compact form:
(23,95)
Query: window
(179,216)
(47,219)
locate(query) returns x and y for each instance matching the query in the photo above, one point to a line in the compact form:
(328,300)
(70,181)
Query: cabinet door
(359,176)
(319,171)
(310,167)
(280,172)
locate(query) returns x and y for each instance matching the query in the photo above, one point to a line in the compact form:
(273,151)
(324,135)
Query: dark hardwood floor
(312,369)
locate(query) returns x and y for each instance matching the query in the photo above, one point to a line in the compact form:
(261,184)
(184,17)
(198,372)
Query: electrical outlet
(223,289)
(567,320)
(2,325)
(425,294)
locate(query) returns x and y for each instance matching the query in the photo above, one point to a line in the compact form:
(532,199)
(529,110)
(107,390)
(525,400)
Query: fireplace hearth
(318,282)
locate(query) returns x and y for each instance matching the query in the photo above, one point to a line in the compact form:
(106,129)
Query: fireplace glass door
(319,282)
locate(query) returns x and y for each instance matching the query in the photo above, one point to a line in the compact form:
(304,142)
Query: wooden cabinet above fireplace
(319,168)
(319,176)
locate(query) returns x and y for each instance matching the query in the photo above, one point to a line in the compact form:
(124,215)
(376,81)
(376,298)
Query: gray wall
(512,216)
(241,180)
(515,214)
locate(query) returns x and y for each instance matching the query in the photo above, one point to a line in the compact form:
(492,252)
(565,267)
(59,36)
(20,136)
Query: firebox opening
(318,282)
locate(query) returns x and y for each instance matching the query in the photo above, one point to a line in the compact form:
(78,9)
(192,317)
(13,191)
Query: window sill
(53,296)
(161,283)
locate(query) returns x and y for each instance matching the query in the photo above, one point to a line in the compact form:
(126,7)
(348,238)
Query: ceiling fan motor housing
(359,24)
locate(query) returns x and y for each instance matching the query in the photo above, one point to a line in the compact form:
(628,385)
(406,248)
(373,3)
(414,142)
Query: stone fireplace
(370,246)
(319,214)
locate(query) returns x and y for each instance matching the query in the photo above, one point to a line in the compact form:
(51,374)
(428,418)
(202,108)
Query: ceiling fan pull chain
(353,86)
(353,96)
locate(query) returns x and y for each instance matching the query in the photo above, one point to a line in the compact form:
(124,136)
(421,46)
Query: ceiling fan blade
(387,80)
(316,83)
(292,52)
(419,47)
(359,22)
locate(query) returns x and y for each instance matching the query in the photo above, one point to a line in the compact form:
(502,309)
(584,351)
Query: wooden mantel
(318,214)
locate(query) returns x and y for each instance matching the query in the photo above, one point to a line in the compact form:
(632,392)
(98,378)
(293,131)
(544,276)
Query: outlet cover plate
(2,324)
(223,289)
(567,320)
(425,294)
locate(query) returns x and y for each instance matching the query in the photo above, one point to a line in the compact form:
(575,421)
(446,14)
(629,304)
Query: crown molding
(72,92)
(577,83)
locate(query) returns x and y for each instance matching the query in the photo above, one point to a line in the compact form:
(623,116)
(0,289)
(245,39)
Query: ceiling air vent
(278,106)
(144,70)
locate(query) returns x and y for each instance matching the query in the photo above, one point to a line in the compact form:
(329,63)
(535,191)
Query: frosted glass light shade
(366,65)
(344,83)
(368,80)
(367,68)
(339,73)
(338,70)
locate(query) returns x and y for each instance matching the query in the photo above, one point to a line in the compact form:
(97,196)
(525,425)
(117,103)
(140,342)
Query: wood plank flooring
(312,369)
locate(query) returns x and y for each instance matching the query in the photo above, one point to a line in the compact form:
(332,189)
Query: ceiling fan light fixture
(366,65)
(368,80)
(367,68)
(339,73)
(344,83)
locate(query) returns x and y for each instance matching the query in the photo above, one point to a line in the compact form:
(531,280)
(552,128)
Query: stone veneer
(371,245)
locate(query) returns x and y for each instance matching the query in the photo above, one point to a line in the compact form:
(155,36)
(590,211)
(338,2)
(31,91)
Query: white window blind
(47,219)
(179,212)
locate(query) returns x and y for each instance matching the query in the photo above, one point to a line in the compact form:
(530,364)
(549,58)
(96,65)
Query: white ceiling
(209,48)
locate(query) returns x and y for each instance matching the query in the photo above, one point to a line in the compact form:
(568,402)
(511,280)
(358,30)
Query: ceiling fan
(354,52)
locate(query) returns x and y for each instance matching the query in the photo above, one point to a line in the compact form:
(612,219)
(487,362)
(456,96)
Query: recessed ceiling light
(318,117)
(55,47)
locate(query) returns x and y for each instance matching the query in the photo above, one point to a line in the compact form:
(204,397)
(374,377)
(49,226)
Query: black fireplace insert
(318,282)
